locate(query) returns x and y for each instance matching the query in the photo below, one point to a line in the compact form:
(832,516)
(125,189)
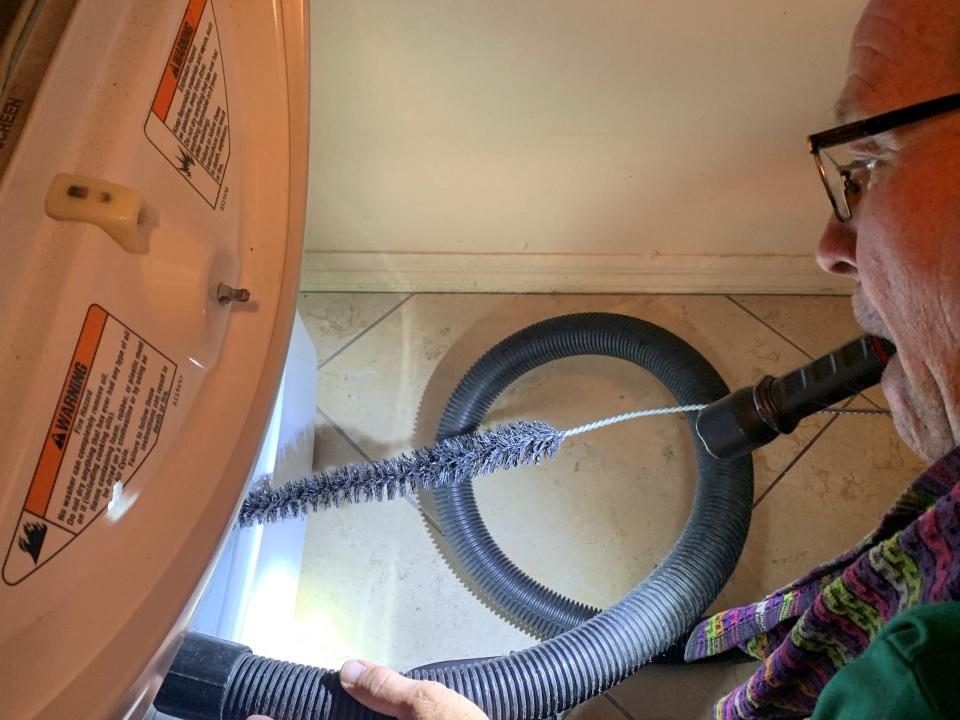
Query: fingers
(390,693)
(378,688)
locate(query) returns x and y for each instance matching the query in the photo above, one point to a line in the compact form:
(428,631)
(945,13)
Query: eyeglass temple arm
(882,123)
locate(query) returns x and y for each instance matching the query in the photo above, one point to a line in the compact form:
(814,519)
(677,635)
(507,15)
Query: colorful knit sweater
(807,631)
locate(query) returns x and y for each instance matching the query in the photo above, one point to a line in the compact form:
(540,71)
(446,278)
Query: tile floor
(375,581)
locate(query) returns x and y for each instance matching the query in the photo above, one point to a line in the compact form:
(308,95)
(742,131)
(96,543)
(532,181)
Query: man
(901,243)
(896,231)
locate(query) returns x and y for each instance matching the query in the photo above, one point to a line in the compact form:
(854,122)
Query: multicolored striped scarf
(807,631)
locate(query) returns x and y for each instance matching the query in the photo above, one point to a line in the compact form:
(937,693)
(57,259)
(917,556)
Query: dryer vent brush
(446,462)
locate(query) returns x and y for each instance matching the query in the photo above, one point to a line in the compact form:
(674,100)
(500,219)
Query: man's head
(903,242)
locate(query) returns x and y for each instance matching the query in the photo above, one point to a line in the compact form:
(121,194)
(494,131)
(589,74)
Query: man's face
(903,242)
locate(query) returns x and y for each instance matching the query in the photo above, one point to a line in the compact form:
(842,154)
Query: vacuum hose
(588,650)
(685,372)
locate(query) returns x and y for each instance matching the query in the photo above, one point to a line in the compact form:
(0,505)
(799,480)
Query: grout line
(733,299)
(425,515)
(342,433)
(799,455)
(767,325)
(613,701)
(877,405)
(363,332)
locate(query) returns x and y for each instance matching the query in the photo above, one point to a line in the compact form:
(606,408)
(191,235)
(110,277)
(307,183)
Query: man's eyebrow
(842,109)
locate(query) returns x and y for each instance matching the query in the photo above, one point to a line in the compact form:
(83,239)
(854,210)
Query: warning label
(106,423)
(188,122)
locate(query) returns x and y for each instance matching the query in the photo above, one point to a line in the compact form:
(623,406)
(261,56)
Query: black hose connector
(751,417)
(214,679)
(203,668)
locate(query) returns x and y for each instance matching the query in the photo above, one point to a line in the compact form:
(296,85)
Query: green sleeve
(909,671)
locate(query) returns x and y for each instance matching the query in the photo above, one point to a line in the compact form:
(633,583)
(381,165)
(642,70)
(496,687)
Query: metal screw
(227,294)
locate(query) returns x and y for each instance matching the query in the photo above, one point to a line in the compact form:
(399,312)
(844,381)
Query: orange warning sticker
(107,420)
(178,58)
(63,417)
(188,121)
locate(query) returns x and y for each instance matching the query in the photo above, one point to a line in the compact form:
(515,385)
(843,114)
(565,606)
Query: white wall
(570,145)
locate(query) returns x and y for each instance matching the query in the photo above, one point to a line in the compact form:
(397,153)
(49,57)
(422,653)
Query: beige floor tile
(596,520)
(678,693)
(333,319)
(614,497)
(589,524)
(398,378)
(817,324)
(374,586)
(834,496)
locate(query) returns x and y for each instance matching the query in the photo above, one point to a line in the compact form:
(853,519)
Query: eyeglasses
(844,172)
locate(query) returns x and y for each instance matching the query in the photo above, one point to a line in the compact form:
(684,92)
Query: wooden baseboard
(558,273)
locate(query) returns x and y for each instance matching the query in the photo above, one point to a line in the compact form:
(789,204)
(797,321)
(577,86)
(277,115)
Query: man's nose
(837,251)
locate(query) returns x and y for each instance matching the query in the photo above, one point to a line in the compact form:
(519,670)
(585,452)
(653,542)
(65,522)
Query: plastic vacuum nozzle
(741,422)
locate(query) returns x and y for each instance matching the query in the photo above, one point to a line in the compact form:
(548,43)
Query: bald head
(902,52)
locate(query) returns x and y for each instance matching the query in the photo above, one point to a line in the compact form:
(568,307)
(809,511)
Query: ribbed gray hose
(596,651)
(684,371)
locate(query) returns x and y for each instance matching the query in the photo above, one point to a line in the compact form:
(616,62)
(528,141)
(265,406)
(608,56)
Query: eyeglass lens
(846,175)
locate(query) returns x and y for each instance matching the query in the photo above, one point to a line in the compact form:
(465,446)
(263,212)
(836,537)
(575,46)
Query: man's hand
(390,693)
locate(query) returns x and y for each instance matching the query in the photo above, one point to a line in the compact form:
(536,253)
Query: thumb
(390,693)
